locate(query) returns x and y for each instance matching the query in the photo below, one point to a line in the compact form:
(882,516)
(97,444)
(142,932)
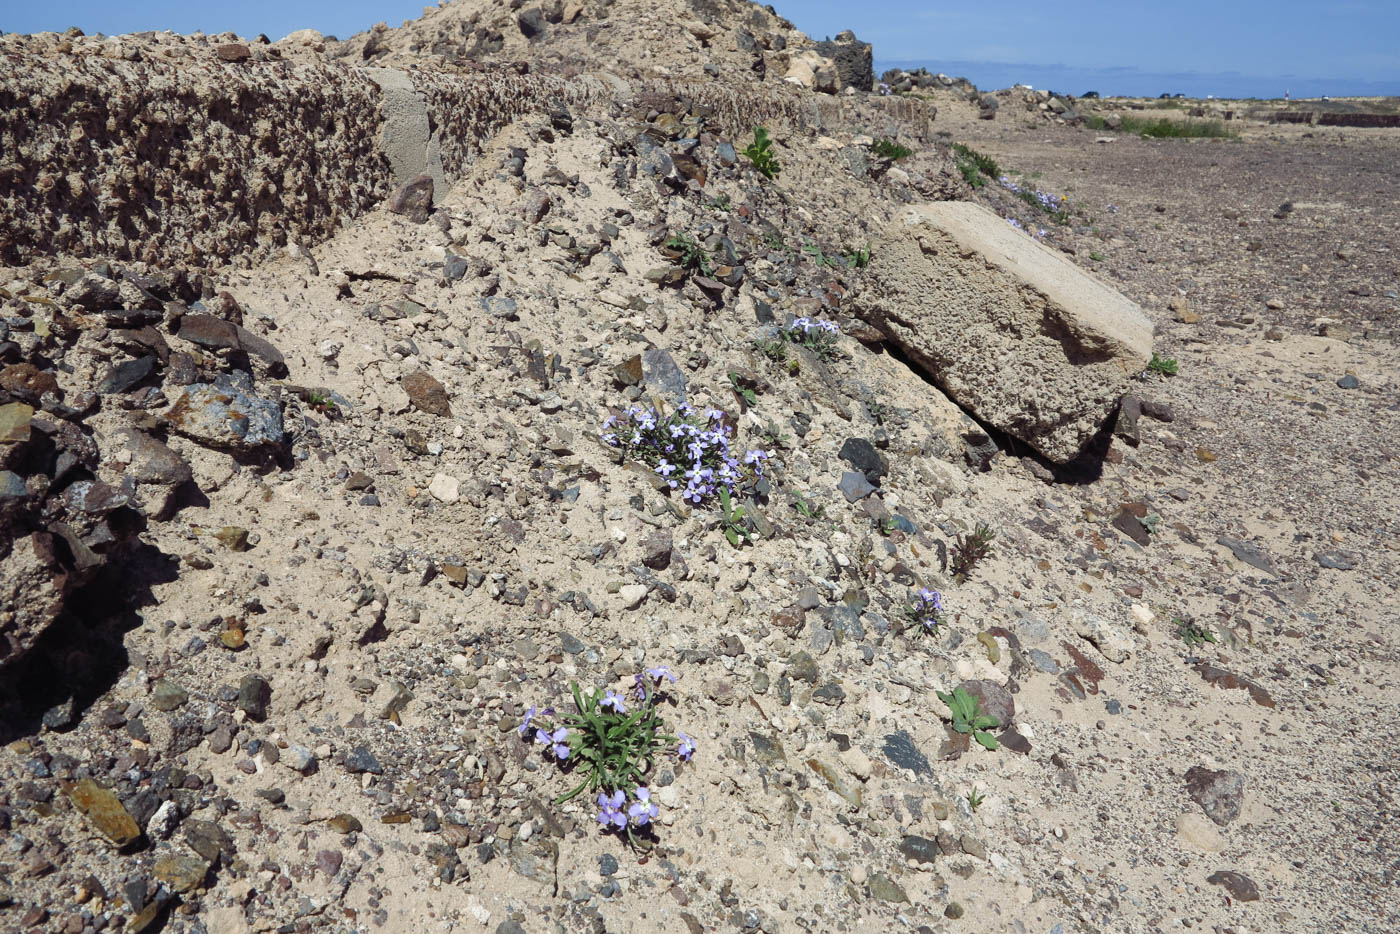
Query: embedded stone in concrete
(1014,332)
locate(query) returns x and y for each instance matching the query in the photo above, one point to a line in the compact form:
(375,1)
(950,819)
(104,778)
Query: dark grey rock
(1348,381)
(254,694)
(1237,884)
(899,748)
(854,486)
(1250,554)
(854,60)
(1336,560)
(360,759)
(1220,793)
(532,23)
(919,849)
(661,375)
(861,454)
(126,376)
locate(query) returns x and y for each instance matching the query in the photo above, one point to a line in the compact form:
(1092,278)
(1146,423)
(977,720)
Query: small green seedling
(760,153)
(1096,256)
(807,507)
(773,436)
(975,799)
(774,348)
(749,397)
(721,203)
(1193,634)
(887,526)
(968,716)
(970,549)
(814,252)
(1167,366)
(692,255)
(321,402)
(857,257)
(732,520)
(774,241)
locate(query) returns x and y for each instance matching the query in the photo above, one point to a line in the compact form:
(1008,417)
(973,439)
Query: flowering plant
(688,450)
(926,609)
(615,739)
(1056,207)
(817,335)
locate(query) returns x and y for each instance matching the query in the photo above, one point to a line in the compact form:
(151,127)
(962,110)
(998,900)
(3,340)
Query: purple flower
(662,671)
(643,811)
(610,814)
(556,740)
(529,715)
(686,748)
(614,700)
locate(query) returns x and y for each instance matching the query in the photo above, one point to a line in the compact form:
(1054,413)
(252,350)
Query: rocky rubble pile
(628,414)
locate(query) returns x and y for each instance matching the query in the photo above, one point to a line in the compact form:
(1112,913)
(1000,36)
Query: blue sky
(1354,44)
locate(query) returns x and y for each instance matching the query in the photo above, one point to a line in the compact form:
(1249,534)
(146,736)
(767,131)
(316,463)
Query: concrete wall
(207,162)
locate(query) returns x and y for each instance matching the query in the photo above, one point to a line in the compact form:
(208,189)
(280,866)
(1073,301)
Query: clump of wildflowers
(817,335)
(615,740)
(926,609)
(1056,207)
(689,450)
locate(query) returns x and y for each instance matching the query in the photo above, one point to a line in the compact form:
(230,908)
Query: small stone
(861,454)
(886,889)
(838,783)
(607,865)
(919,849)
(854,486)
(299,759)
(1251,554)
(126,376)
(167,696)
(427,394)
(1237,884)
(656,550)
(254,694)
(632,595)
(1113,640)
(1220,793)
(899,748)
(329,861)
(345,823)
(445,489)
(857,763)
(233,538)
(360,759)
(233,52)
(994,700)
(1348,381)
(1335,560)
(414,199)
(953,911)
(183,872)
(102,809)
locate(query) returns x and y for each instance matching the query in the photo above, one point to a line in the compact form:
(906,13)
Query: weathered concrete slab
(1013,331)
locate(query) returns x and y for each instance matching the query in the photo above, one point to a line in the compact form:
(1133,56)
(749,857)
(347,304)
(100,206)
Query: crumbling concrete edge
(407,137)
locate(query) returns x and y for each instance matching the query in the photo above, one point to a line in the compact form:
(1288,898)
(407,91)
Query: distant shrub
(974,166)
(1164,128)
(889,149)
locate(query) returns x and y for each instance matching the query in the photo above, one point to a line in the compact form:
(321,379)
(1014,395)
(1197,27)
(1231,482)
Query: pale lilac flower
(662,671)
(643,811)
(610,814)
(686,748)
(614,700)
(529,715)
(556,741)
